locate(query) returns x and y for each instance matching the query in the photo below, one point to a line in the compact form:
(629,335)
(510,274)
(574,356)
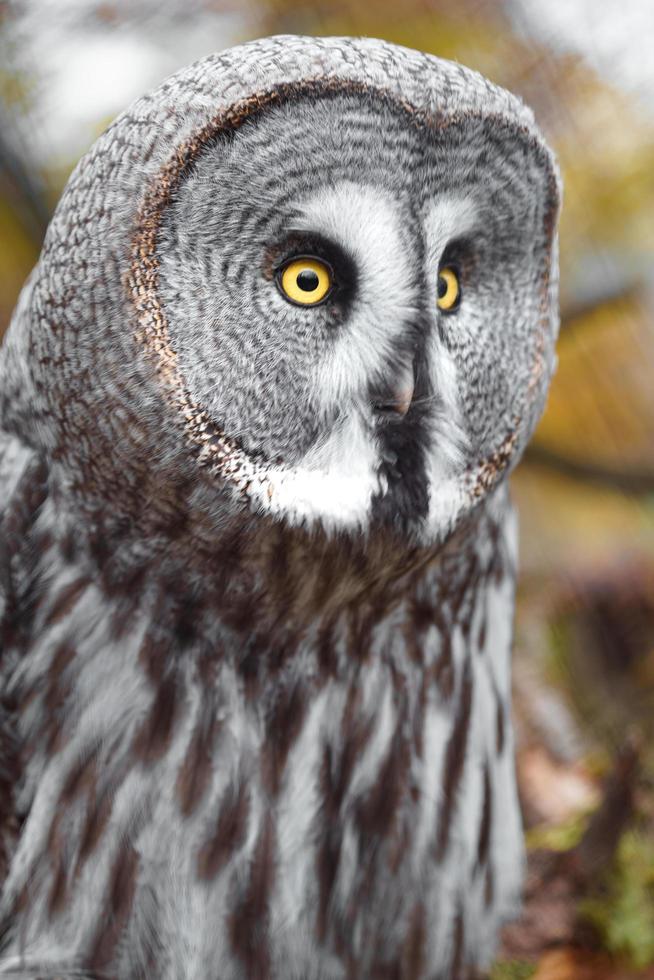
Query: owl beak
(391,403)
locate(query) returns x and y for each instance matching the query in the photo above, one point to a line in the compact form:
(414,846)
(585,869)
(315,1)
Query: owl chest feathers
(207,791)
(257,558)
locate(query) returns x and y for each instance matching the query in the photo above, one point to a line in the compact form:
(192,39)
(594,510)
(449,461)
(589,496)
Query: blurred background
(584,659)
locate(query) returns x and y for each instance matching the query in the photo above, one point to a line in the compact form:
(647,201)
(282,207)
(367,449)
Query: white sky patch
(614,37)
(87,70)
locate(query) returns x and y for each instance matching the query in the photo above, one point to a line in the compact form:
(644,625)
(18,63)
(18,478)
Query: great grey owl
(291,327)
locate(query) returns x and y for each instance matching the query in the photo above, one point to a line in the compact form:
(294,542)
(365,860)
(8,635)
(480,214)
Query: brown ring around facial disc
(224,457)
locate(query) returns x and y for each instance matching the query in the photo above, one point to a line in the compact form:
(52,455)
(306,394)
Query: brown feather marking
(19,538)
(376,818)
(326,651)
(362,621)
(9,777)
(283,728)
(55,698)
(62,656)
(229,832)
(356,731)
(376,812)
(97,818)
(195,771)
(66,601)
(327,860)
(154,653)
(481,636)
(336,773)
(99,808)
(81,775)
(26,502)
(418,720)
(125,606)
(442,670)
(420,618)
(56,848)
(486,817)
(454,761)
(489,885)
(413,950)
(248,924)
(381,970)
(119,902)
(333,783)
(153,738)
(400,841)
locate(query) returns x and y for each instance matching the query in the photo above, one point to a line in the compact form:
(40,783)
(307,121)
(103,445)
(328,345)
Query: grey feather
(257,558)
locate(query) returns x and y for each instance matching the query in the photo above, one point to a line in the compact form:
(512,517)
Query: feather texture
(255,662)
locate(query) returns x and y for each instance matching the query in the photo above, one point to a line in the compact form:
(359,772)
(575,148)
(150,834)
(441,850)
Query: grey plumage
(256,628)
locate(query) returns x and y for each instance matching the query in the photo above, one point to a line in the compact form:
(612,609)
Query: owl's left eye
(305,281)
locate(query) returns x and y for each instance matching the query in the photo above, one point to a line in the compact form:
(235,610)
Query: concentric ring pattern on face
(377,193)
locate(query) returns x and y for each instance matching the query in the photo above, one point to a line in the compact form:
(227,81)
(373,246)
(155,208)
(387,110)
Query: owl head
(316,277)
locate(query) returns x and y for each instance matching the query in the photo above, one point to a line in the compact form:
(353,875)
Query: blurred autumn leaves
(584,672)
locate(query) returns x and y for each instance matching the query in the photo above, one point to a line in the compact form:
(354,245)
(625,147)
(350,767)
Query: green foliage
(512,970)
(561,837)
(624,915)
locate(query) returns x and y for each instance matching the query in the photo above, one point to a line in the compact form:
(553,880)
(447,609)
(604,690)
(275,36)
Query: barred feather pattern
(254,696)
(201,803)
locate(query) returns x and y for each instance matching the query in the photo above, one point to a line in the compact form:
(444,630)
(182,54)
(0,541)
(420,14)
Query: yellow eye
(305,281)
(449,289)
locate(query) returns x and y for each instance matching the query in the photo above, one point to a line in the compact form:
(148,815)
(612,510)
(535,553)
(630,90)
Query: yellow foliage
(601,403)
(17,256)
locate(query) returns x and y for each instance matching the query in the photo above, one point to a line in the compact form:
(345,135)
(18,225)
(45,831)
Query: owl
(292,326)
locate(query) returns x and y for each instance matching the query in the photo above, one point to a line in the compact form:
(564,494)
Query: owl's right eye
(449,289)
(305,281)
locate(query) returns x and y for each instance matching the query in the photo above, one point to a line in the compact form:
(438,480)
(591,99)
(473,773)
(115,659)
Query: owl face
(312,279)
(357,295)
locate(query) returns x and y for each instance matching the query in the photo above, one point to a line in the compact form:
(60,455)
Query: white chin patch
(333,485)
(448,500)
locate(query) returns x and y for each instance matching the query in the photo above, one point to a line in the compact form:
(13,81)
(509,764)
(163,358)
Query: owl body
(258,554)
